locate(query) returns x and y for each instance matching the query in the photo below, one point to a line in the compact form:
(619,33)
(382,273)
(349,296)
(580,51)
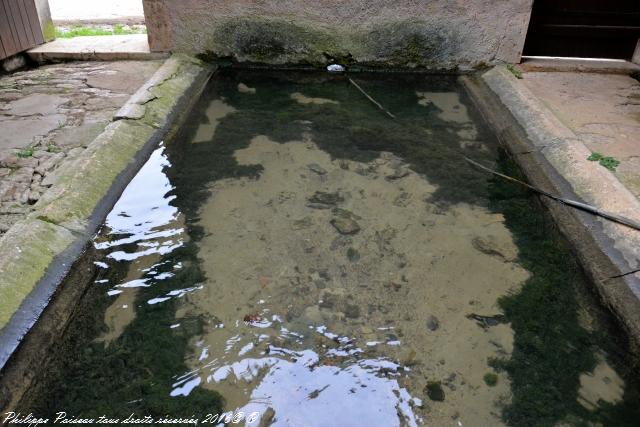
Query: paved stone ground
(603,110)
(49,115)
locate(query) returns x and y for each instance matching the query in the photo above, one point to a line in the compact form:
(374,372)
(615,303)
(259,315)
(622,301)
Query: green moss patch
(605,161)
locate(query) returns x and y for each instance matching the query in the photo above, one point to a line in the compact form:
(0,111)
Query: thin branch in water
(371,99)
(578,205)
(628,273)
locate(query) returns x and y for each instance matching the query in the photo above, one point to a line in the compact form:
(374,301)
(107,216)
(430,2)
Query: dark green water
(223,282)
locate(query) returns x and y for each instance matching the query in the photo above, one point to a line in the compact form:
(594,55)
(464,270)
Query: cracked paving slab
(48,116)
(603,110)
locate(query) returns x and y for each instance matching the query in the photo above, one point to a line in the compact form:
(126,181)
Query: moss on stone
(49,31)
(26,251)
(80,188)
(84,183)
(271,40)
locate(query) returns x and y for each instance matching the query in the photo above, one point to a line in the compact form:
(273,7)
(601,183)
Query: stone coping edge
(37,253)
(554,159)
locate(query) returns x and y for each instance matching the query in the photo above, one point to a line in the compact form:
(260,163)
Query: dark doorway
(584,28)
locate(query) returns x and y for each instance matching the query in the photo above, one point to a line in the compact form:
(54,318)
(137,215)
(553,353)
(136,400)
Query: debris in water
(336,68)
(316,393)
(371,99)
(252,318)
(486,322)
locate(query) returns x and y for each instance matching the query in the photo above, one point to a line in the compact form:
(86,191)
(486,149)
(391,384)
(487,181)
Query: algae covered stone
(345,225)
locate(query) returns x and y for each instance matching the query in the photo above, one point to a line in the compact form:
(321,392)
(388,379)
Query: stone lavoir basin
(296,255)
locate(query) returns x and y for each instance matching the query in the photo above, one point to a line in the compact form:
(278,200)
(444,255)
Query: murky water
(298,255)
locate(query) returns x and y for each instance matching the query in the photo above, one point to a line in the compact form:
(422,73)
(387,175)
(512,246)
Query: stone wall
(404,33)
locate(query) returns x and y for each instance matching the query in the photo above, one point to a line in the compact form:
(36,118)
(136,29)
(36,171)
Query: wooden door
(19,27)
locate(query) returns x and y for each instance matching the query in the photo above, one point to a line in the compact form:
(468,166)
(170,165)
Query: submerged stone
(433,323)
(314,167)
(345,225)
(435,391)
(324,198)
(343,213)
(398,173)
(243,88)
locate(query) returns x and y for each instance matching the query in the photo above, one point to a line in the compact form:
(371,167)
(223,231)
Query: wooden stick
(371,99)
(578,205)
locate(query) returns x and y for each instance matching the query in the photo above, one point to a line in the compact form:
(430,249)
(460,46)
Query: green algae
(435,391)
(552,348)
(272,40)
(136,372)
(23,262)
(490,379)
(352,129)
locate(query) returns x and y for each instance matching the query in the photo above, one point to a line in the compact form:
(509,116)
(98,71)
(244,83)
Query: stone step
(101,48)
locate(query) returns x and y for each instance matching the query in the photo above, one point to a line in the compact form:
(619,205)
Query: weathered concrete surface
(435,34)
(603,110)
(575,65)
(83,192)
(100,48)
(48,115)
(555,159)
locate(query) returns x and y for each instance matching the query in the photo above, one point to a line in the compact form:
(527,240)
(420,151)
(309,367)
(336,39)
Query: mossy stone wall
(402,33)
